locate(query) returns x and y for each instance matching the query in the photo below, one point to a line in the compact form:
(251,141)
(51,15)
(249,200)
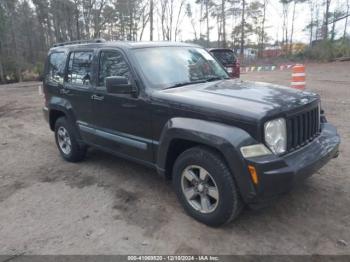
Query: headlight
(276,135)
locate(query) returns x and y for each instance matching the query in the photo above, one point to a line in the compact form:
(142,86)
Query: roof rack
(77,42)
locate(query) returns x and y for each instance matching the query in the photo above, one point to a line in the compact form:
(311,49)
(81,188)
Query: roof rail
(77,42)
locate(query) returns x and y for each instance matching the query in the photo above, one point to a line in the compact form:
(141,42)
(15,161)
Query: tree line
(28,28)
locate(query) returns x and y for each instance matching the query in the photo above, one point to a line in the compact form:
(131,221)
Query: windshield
(226,57)
(166,67)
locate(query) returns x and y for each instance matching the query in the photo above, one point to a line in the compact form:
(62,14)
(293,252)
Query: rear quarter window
(56,66)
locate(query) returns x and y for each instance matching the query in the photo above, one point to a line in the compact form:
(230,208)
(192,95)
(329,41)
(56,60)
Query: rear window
(225,57)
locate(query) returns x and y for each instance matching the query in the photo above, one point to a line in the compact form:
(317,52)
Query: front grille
(302,128)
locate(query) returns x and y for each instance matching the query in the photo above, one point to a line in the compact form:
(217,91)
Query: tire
(216,212)
(64,134)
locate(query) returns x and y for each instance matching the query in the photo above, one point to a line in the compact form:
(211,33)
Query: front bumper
(277,175)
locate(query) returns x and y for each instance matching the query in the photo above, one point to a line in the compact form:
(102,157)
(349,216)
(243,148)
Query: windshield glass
(166,67)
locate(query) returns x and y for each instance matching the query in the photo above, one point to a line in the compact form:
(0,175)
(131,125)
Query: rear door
(78,87)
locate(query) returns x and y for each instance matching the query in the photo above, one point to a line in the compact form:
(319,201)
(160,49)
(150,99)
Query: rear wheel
(205,187)
(67,143)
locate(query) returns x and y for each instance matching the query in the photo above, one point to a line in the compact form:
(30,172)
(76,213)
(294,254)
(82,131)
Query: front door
(122,121)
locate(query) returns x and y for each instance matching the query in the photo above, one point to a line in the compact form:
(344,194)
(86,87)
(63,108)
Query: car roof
(120,44)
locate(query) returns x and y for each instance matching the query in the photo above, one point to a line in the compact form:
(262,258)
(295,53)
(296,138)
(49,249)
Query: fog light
(253,174)
(255,150)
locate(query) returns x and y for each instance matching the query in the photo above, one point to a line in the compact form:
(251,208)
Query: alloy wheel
(200,189)
(64,140)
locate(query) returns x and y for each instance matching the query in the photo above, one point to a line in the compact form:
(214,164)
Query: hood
(252,99)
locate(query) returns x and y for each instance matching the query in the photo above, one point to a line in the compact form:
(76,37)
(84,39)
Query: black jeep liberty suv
(224,143)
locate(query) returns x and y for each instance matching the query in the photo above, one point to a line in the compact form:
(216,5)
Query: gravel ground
(106,205)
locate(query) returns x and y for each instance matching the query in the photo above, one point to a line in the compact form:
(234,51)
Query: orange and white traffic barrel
(298,77)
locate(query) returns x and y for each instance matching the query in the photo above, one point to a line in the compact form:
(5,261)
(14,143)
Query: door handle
(97,97)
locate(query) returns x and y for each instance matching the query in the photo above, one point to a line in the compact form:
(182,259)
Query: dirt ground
(106,205)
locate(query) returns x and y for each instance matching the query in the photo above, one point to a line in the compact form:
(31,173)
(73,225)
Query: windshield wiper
(209,79)
(215,78)
(185,84)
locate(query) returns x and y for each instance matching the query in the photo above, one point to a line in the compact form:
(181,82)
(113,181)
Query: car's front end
(293,148)
(290,138)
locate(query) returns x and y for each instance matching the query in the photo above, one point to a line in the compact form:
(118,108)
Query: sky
(273,23)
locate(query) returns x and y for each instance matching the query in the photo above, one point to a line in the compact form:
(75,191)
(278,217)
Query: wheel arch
(53,116)
(62,108)
(180,134)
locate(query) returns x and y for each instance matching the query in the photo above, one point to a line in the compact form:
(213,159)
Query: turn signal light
(253,174)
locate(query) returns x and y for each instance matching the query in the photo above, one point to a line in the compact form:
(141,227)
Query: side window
(57,63)
(79,68)
(112,63)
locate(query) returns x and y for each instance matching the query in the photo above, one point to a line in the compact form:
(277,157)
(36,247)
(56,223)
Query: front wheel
(205,187)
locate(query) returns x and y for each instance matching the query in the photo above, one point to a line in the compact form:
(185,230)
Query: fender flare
(224,138)
(64,106)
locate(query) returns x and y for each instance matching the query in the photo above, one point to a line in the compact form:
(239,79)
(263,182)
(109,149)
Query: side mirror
(119,85)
